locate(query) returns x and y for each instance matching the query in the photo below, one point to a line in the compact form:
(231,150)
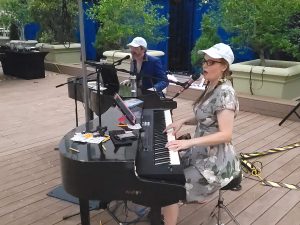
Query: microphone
(133,80)
(98,64)
(187,84)
(118,62)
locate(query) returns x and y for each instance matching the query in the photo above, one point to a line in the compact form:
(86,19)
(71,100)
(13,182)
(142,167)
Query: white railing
(4,32)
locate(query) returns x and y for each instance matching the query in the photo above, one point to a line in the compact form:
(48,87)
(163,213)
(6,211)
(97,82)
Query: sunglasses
(209,62)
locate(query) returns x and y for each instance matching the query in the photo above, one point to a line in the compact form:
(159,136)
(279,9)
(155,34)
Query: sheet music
(93,85)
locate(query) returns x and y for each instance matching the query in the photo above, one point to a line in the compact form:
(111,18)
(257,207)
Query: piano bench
(234,185)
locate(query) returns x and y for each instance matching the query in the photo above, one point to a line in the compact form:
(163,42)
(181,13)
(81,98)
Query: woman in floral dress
(209,158)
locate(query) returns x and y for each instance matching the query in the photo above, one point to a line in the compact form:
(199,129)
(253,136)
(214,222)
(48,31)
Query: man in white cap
(148,69)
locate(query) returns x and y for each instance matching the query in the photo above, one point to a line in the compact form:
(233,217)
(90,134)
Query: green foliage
(208,38)
(262,25)
(58,19)
(46,37)
(15,12)
(122,19)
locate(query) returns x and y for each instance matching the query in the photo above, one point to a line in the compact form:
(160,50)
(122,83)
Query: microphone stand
(133,80)
(100,129)
(98,70)
(76,82)
(75,99)
(98,66)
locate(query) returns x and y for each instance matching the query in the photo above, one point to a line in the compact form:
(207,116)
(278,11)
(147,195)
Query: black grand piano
(143,172)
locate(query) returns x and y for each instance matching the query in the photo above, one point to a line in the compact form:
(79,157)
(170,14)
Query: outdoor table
(24,64)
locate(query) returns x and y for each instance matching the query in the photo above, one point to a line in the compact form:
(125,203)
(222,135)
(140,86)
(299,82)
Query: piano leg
(84,212)
(155,215)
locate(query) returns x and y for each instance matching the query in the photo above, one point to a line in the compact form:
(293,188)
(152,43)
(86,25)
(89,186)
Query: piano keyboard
(154,161)
(161,154)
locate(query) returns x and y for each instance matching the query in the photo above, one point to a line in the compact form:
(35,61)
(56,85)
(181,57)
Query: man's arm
(160,73)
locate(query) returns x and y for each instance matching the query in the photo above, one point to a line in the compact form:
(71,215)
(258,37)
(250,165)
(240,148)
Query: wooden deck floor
(34,115)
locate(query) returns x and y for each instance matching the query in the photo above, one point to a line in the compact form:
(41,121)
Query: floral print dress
(208,168)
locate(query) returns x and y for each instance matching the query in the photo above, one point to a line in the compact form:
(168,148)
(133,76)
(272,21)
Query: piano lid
(86,152)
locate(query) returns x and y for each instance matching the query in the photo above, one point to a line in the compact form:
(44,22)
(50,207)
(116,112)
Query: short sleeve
(226,99)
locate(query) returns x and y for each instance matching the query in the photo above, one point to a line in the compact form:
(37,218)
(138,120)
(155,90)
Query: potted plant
(58,21)
(265,27)
(15,13)
(121,20)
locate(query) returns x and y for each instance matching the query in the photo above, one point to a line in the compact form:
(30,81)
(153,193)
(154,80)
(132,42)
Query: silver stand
(133,86)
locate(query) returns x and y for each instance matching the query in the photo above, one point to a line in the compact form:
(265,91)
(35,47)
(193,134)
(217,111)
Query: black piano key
(159,157)
(160,154)
(159,145)
(162,161)
(159,148)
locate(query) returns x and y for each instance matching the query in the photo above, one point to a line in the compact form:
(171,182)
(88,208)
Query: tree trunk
(262,57)
(21,31)
(13,32)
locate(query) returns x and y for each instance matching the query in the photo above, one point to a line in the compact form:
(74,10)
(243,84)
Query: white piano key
(174,156)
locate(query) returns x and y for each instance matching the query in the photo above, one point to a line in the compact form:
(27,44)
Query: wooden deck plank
(280,175)
(259,196)
(292,217)
(29,209)
(277,211)
(35,115)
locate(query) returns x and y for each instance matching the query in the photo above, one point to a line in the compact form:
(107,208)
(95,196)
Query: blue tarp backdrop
(31,31)
(184,29)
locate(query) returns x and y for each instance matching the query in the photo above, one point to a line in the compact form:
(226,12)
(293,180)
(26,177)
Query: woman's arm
(224,135)
(178,124)
(191,121)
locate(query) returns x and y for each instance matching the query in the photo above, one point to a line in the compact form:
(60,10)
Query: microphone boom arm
(187,84)
(118,62)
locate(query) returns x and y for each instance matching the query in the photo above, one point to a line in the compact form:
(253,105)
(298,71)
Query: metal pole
(83,59)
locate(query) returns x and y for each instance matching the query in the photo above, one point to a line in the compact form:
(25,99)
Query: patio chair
(234,185)
(291,112)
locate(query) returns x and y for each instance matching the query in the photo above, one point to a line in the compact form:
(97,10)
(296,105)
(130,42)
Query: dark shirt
(152,74)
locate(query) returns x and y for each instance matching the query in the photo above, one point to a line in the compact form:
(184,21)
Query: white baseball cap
(219,51)
(137,42)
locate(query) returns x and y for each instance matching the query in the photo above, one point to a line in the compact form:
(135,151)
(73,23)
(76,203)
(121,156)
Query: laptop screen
(125,110)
